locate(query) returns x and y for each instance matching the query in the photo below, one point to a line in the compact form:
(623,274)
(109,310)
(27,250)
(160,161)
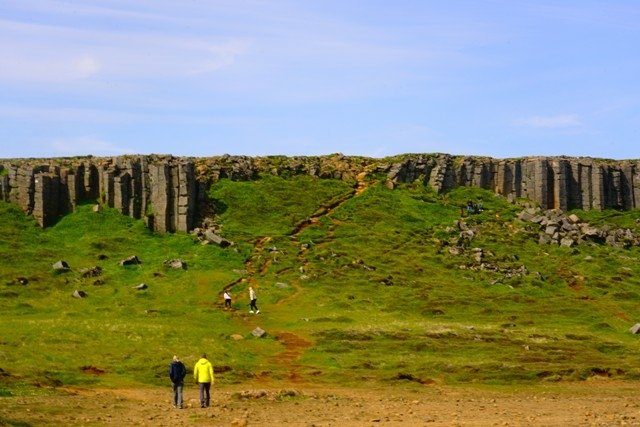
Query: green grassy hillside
(352,288)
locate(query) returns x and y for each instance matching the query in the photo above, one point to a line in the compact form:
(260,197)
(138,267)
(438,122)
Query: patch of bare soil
(597,403)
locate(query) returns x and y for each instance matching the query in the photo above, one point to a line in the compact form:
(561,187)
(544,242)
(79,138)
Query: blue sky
(500,78)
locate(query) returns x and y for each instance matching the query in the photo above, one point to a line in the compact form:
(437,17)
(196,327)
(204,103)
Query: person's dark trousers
(253,305)
(205,397)
(177,394)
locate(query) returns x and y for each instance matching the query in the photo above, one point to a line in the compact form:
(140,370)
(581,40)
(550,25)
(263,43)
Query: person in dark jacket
(177,372)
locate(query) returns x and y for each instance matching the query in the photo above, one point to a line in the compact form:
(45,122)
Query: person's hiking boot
(257,311)
(251,311)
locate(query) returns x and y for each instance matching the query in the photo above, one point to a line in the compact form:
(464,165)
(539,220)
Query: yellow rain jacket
(203,371)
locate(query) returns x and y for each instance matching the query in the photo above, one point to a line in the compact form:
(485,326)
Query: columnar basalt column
(598,187)
(46,198)
(160,185)
(628,198)
(4,184)
(635,185)
(560,171)
(186,197)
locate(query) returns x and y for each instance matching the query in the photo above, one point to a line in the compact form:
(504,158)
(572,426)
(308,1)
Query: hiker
(203,374)
(177,372)
(252,306)
(227,299)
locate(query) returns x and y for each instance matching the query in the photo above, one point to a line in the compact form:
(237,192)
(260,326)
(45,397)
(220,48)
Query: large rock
(79,294)
(61,266)
(212,237)
(258,332)
(176,264)
(132,260)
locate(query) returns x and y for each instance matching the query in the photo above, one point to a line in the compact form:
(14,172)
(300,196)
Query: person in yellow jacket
(203,374)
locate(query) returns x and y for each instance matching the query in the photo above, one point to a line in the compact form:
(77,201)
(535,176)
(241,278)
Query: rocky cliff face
(552,182)
(170,192)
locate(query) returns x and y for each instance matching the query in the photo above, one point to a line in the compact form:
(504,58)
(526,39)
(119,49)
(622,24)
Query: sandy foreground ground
(591,403)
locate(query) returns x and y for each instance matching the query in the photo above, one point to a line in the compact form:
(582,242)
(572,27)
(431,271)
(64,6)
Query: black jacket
(177,372)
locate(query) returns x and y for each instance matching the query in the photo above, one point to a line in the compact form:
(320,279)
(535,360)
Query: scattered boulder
(555,227)
(98,282)
(132,260)
(478,255)
(387,281)
(91,272)
(141,287)
(567,242)
(635,329)
(22,280)
(79,294)
(258,332)
(212,237)
(61,266)
(526,215)
(97,208)
(237,337)
(455,250)
(176,264)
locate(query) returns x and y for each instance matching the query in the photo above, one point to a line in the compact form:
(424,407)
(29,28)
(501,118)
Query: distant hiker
(227,299)
(252,296)
(203,374)
(177,372)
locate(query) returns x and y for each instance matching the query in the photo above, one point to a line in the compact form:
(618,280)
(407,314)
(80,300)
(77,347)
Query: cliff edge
(170,193)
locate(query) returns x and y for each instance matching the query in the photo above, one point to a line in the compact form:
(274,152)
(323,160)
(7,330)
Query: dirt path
(257,263)
(582,404)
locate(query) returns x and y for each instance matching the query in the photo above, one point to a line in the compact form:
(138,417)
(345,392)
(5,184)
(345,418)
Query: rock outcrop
(556,227)
(551,182)
(161,189)
(170,193)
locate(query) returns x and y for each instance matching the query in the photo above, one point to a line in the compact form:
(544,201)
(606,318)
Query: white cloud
(54,53)
(558,121)
(87,66)
(85,145)
(217,56)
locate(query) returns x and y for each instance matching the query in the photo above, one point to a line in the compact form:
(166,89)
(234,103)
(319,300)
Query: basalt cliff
(170,193)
